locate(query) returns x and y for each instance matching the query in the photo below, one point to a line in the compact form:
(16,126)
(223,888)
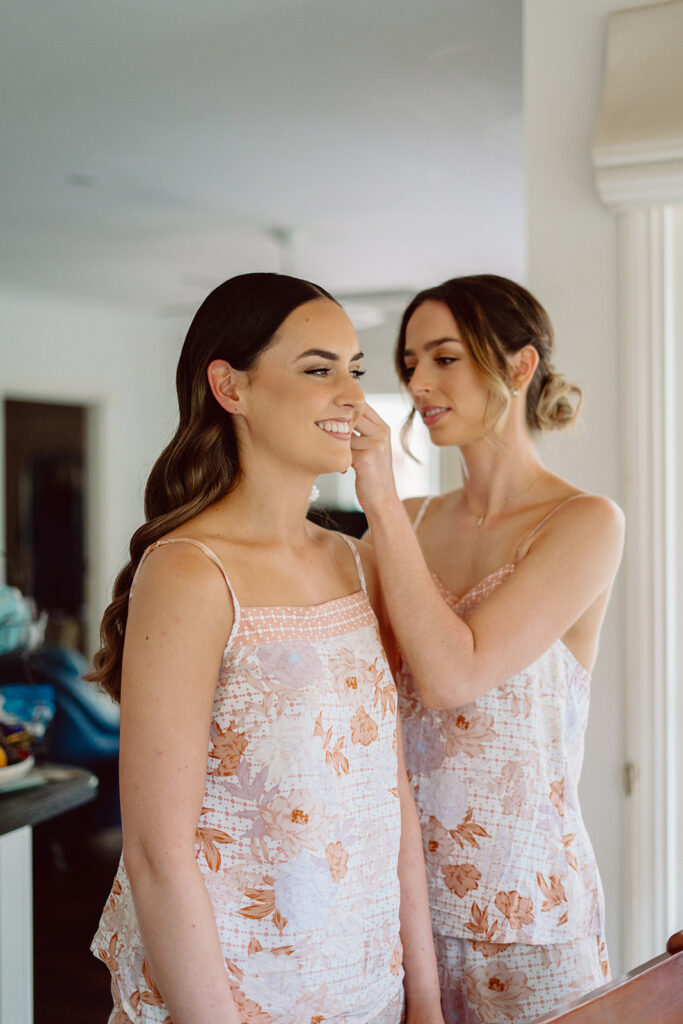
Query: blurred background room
(150,151)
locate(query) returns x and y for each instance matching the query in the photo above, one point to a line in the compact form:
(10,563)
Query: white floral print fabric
(488,983)
(495,782)
(299,832)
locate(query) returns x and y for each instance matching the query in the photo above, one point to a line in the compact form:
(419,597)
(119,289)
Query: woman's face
(303,398)
(445,387)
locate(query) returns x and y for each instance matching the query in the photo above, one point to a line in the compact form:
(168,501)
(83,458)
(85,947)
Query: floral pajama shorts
(491,983)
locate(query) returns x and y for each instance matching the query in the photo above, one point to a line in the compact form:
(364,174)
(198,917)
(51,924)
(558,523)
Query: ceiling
(150,147)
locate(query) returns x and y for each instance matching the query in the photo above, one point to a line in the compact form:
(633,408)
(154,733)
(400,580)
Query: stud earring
(314,495)
(514,392)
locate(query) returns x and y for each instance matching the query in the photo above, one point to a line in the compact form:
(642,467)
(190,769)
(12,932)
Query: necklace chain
(480,517)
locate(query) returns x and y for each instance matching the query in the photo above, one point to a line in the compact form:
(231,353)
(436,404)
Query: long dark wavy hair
(236,322)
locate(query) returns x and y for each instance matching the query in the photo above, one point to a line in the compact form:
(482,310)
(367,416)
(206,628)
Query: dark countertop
(65,789)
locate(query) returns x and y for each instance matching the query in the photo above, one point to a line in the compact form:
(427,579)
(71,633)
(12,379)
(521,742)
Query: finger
(368,426)
(372,416)
(377,435)
(363,444)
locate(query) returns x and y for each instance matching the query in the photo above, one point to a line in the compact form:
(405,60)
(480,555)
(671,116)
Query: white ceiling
(149,146)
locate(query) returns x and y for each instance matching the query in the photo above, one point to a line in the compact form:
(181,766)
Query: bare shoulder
(436,504)
(367,555)
(366,552)
(368,558)
(591,524)
(180,576)
(594,510)
(412,506)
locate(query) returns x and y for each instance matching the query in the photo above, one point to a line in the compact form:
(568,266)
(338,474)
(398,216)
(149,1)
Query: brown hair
(236,322)
(496,318)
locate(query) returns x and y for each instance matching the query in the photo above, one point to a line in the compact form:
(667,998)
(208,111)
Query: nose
(352,395)
(419,382)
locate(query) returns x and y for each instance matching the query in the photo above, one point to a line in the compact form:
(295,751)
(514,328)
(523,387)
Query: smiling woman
(272,865)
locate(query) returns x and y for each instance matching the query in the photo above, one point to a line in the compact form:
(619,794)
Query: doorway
(45,512)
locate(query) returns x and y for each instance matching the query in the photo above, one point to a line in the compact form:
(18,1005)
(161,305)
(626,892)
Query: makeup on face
(444,385)
(337,428)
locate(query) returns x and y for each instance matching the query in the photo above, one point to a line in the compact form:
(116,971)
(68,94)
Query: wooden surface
(650,994)
(69,788)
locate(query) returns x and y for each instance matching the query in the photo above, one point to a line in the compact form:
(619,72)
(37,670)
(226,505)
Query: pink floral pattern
(294,665)
(495,782)
(495,983)
(299,832)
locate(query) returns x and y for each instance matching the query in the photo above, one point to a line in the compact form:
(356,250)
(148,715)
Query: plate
(11,772)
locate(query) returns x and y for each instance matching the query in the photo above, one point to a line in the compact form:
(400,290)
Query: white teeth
(334,427)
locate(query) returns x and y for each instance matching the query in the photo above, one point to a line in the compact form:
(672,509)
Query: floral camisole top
(299,832)
(495,781)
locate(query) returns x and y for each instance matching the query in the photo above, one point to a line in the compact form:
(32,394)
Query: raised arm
(570,566)
(180,617)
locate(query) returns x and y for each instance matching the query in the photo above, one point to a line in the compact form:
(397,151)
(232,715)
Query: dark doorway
(45,512)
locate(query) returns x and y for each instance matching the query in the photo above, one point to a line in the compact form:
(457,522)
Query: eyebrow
(323,354)
(432,344)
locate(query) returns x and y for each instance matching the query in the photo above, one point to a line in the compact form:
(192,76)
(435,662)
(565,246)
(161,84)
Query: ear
(223,383)
(523,366)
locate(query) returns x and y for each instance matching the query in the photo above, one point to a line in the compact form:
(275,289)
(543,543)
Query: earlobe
(221,379)
(523,367)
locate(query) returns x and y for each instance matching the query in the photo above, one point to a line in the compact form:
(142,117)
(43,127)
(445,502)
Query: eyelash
(441,360)
(323,371)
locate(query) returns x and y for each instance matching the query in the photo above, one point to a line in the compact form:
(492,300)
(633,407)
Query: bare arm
(423,1005)
(180,617)
(571,564)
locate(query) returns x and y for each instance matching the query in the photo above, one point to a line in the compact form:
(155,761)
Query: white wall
(123,368)
(573,269)
(677,698)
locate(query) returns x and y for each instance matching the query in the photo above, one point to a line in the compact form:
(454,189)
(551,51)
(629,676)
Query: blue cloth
(32,704)
(15,619)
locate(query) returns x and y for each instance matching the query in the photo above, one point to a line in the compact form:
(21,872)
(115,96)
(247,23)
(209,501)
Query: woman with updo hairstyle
(496,593)
(271,847)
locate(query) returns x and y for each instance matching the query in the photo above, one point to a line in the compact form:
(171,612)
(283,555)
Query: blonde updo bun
(558,404)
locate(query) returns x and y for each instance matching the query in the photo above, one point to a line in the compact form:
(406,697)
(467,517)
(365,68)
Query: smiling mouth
(340,429)
(433,413)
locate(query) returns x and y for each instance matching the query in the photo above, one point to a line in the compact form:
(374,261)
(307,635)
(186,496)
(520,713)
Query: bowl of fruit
(16,757)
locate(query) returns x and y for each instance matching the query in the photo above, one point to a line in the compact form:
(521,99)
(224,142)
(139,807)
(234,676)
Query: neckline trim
(510,566)
(355,595)
(459,598)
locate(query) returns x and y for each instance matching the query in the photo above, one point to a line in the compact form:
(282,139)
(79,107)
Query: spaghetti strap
(420,512)
(358,561)
(211,555)
(530,534)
